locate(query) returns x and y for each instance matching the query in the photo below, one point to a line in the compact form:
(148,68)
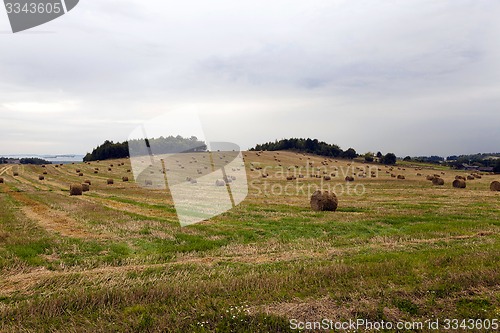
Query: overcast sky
(414,77)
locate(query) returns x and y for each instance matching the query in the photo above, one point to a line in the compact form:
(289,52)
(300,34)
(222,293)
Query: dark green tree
(496,168)
(389,159)
(350,154)
(369,157)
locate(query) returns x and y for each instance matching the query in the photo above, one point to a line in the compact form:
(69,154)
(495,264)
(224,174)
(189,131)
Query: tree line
(29,160)
(310,146)
(458,161)
(314,146)
(161,145)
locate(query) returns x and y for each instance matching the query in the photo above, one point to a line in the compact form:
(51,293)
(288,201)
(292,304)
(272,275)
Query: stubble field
(116,258)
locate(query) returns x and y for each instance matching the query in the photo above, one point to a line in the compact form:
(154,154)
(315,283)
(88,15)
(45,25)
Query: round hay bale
(469,177)
(393,175)
(459,183)
(80,174)
(45,173)
(289,178)
(85,187)
(220,182)
(15,173)
(429,177)
(495,186)
(109,169)
(75,189)
(110,181)
(459,177)
(125,179)
(349,179)
(401,177)
(95,171)
(438,181)
(78,170)
(128,170)
(41,177)
(194,181)
(324,201)
(1,180)
(88,182)
(327,178)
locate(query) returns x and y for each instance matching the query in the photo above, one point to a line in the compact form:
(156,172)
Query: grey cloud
(356,73)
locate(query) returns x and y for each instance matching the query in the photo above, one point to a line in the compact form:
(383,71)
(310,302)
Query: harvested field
(396,248)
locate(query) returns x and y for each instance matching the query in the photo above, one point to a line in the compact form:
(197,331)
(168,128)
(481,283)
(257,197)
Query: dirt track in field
(50,219)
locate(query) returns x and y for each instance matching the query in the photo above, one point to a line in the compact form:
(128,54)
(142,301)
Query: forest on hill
(321,148)
(314,146)
(310,146)
(161,145)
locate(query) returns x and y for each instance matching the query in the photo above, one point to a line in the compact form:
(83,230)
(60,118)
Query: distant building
(470,167)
